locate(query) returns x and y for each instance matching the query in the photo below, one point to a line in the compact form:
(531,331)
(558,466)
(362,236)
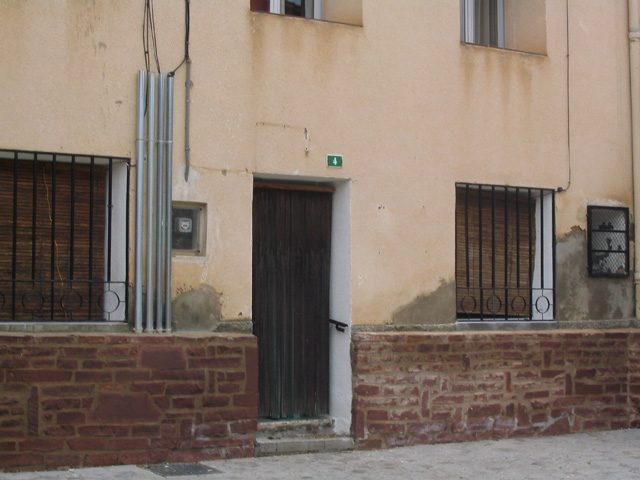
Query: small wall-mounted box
(189,228)
(608,242)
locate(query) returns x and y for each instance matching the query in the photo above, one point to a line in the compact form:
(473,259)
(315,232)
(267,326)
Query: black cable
(145,37)
(149,36)
(187,24)
(153,32)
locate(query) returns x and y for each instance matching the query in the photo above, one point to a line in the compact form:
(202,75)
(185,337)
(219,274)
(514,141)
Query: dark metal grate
(505,253)
(608,248)
(180,469)
(63,237)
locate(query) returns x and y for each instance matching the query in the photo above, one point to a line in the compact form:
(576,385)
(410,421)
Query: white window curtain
(312,8)
(482,22)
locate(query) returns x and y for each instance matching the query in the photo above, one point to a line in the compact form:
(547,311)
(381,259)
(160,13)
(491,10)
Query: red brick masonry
(415,388)
(87,400)
(70,400)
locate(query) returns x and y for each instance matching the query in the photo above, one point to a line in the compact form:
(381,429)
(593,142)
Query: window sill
(502,49)
(65,327)
(518,325)
(333,22)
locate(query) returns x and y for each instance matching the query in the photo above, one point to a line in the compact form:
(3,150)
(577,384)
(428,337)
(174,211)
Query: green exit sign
(334,161)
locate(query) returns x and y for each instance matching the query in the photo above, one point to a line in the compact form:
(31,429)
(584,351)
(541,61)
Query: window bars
(63,237)
(608,246)
(505,253)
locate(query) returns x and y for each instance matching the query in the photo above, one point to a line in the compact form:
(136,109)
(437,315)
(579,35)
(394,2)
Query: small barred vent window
(608,247)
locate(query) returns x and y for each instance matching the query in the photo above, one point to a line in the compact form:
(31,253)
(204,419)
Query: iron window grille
(64,237)
(505,253)
(608,241)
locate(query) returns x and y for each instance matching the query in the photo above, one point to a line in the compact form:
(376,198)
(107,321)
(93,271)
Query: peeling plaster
(197,309)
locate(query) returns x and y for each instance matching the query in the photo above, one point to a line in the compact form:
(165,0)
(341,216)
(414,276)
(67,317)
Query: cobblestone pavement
(604,455)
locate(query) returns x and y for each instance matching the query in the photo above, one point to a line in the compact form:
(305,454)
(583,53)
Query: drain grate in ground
(180,469)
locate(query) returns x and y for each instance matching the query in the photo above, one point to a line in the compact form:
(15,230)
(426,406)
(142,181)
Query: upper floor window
(483,22)
(511,24)
(341,11)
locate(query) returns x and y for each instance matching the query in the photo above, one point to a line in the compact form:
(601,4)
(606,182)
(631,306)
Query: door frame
(340,370)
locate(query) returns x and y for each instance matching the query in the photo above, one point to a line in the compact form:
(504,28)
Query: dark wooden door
(291,256)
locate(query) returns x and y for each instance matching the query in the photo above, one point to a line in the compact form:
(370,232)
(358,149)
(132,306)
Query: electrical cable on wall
(187,60)
(187,24)
(560,189)
(149,35)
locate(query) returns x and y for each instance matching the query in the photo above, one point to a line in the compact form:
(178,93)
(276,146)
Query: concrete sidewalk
(604,455)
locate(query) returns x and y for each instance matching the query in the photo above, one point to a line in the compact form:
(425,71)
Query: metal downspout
(160,205)
(634,68)
(139,201)
(151,172)
(187,146)
(168,212)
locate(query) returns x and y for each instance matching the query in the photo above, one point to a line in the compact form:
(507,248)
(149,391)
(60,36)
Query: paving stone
(592,456)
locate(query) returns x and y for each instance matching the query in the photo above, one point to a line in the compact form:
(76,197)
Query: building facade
(219,212)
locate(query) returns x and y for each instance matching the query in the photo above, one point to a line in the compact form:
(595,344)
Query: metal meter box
(188,228)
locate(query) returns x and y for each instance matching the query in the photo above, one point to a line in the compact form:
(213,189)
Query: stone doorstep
(288,437)
(308,427)
(266,447)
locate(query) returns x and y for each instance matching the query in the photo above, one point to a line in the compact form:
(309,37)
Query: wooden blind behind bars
(60,279)
(495,250)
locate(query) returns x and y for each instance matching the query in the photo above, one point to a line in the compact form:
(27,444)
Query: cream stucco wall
(411,109)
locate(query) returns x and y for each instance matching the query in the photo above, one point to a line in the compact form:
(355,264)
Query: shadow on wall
(581,297)
(197,310)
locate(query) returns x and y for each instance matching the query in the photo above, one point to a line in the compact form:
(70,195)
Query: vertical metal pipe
(168,211)
(160,205)
(151,173)
(187,145)
(139,201)
(634,80)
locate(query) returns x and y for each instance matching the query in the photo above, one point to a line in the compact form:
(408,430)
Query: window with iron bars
(63,237)
(505,253)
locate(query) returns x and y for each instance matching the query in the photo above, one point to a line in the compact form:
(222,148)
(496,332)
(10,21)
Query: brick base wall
(634,378)
(88,400)
(416,388)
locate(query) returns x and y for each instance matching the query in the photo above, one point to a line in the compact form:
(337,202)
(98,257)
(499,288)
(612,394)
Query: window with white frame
(511,24)
(340,11)
(483,22)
